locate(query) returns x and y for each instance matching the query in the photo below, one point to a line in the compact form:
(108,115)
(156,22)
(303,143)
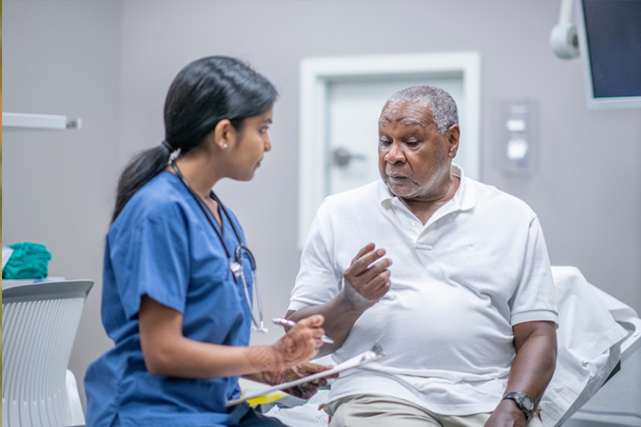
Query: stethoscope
(235,262)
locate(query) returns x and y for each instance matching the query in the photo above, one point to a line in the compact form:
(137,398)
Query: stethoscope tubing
(235,260)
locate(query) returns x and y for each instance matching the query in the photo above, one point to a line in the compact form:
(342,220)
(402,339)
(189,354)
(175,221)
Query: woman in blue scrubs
(180,318)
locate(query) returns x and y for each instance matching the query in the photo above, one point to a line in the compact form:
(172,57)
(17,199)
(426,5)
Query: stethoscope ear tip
(261,330)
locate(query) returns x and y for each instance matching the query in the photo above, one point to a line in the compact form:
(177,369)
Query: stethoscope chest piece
(236,269)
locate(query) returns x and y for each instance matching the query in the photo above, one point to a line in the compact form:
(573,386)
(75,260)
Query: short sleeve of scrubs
(153,255)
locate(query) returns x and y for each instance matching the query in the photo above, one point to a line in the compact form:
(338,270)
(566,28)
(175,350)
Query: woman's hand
(304,391)
(300,344)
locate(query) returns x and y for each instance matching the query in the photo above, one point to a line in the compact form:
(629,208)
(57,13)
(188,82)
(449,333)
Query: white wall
(111,63)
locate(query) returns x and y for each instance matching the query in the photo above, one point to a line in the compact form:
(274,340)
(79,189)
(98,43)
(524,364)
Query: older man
(466,313)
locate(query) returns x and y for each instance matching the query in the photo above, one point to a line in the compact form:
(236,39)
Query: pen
(286,322)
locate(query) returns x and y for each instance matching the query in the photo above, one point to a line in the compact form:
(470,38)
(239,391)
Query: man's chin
(401,191)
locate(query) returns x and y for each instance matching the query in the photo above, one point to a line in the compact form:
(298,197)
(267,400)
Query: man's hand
(365,282)
(507,414)
(304,391)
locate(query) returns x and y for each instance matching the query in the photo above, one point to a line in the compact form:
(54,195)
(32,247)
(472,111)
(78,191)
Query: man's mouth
(394,177)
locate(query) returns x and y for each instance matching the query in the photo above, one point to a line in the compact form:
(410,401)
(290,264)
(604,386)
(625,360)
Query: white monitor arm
(563,39)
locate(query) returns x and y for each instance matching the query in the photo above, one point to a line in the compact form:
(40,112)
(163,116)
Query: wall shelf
(39,122)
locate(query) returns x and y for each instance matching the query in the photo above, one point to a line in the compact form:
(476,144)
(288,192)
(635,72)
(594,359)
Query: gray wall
(63,58)
(111,63)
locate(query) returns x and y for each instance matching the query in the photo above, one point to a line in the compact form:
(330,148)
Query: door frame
(315,76)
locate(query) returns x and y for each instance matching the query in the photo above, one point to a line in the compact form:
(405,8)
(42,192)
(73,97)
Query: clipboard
(375,353)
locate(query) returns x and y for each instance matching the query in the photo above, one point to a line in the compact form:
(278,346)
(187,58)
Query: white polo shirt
(459,284)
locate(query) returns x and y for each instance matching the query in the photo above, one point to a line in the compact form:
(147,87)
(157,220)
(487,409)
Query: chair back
(39,324)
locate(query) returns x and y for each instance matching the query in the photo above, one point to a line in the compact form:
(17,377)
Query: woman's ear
(224,134)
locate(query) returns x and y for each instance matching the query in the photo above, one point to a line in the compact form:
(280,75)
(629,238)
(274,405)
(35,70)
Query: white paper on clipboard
(362,359)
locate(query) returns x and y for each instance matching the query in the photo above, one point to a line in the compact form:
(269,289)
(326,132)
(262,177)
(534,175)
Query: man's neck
(425,208)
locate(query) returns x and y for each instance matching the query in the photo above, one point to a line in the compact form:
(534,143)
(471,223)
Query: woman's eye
(263,130)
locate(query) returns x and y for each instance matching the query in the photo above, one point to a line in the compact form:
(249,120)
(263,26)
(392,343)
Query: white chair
(39,324)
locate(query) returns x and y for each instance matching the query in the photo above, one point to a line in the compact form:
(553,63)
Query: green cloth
(28,261)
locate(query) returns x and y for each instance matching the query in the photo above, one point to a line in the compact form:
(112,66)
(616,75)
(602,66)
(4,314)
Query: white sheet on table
(588,338)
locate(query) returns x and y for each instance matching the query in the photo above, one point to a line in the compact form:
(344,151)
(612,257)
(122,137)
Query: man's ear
(453,134)
(224,134)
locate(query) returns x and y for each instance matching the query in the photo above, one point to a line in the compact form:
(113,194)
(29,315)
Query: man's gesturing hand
(366,283)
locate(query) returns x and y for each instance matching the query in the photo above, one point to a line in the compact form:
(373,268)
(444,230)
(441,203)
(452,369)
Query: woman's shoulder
(161,199)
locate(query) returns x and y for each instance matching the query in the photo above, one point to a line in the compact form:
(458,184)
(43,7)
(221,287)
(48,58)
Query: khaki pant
(375,410)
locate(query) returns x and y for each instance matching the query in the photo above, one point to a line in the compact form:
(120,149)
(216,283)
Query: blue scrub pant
(252,418)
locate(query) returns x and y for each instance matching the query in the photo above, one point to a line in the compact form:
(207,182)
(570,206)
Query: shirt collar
(464,199)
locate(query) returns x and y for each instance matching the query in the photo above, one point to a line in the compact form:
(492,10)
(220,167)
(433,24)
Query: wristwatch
(523,401)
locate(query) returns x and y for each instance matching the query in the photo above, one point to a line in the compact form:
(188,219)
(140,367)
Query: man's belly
(441,330)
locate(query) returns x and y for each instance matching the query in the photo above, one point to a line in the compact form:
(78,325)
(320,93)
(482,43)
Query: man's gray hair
(443,106)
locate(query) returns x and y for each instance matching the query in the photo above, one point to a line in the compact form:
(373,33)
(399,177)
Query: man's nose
(394,153)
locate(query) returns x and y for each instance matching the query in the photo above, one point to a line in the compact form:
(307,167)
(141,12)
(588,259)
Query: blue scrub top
(162,245)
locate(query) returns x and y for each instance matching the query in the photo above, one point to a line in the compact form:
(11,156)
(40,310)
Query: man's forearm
(531,372)
(340,315)
(534,363)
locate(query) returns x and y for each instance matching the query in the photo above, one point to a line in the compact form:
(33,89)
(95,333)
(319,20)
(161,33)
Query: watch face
(527,403)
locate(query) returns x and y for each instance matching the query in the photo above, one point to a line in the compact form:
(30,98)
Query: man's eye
(411,143)
(385,142)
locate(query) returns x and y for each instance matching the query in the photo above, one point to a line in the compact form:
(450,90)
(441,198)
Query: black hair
(203,93)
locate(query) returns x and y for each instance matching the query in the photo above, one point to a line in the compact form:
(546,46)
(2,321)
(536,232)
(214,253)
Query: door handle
(341,157)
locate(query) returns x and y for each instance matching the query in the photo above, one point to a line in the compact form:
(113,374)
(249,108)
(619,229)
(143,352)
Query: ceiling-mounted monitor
(610,43)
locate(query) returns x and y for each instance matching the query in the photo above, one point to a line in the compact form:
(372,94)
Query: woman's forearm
(167,351)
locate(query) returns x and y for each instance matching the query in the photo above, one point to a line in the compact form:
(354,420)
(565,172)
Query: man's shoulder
(491,198)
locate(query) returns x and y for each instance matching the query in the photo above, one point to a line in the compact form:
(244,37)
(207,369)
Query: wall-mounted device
(564,39)
(20,121)
(607,36)
(610,44)
(515,145)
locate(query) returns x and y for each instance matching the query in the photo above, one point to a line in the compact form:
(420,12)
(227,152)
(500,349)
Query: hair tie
(168,146)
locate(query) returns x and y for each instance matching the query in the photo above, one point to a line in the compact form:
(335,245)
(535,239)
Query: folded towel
(28,261)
